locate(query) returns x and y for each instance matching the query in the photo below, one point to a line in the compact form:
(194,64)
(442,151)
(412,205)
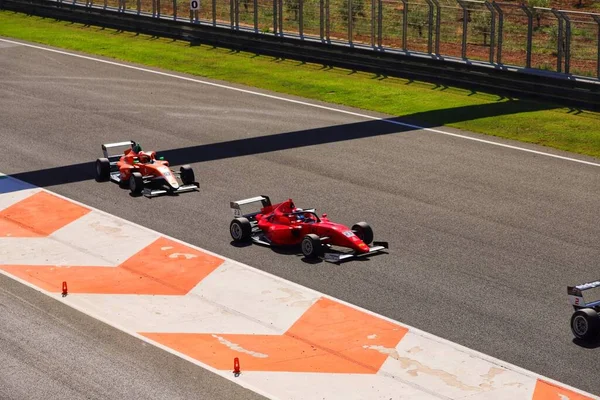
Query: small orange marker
(236,366)
(64,289)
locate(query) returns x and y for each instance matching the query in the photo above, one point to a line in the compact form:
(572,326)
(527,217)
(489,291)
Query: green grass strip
(527,121)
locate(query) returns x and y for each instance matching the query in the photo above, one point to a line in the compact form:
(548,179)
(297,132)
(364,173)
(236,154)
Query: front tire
(102,169)
(363,231)
(240,229)
(187,175)
(136,183)
(311,246)
(585,323)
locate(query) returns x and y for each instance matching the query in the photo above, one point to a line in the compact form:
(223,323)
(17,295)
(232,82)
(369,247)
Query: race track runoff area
(290,342)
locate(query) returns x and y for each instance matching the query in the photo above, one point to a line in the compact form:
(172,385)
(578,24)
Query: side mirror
(324,216)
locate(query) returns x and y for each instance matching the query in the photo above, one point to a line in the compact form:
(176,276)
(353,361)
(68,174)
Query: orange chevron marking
(330,337)
(547,391)
(38,215)
(163,268)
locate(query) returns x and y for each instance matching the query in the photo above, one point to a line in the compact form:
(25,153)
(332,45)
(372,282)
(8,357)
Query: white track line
(304,103)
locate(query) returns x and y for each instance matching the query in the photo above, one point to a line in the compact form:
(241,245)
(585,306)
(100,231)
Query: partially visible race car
(585,321)
(142,172)
(283,224)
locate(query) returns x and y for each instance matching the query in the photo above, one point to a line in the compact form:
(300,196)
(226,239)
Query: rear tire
(187,175)
(240,229)
(136,183)
(311,246)
(363,231)
(102,169)
(585,324)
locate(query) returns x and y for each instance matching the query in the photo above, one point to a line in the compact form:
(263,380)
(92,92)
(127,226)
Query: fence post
(379,23)
(301,19)
(214,12)
(350,21)
(404,23)
(327,23)
(529,34)
(275,17)
(567,42)
(237,14)
(597,19)
(157,8)
(280,7)
(430,27)
(492,29)
(500,31)
(321,22)
(154,8)
(139,7)
(465,28)
(174,10)
(372,23)
(559,42)
(438,24)
(255,6)
(231,14)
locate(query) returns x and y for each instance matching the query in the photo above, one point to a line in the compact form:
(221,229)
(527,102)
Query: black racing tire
(585,324)
(363,231)
(187,175)
(102,169)
(136,183)
(311,246)
(240,229)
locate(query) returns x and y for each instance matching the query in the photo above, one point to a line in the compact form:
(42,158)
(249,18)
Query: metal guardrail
(512,81)
(501,32)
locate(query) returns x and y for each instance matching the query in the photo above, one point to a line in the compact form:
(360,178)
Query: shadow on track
(292,140)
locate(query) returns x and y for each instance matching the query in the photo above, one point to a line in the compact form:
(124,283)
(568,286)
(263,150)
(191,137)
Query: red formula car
(142,171)
(284,224)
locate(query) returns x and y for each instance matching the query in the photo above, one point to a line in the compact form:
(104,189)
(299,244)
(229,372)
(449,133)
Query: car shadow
(85,171)
(587,344)
(240,244)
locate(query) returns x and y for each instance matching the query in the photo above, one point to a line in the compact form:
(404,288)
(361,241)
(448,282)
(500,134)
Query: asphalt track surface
(484,239)
(50,351)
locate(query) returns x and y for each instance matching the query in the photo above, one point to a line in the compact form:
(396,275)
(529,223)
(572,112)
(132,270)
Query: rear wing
(576,298)
(107,146)
(236,206)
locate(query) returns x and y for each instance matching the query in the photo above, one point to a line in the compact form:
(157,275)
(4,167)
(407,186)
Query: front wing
(377,247)
(259,237)
(115,176)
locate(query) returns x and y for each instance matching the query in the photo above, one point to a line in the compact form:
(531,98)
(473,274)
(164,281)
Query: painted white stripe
(115,240)
(231,300)
(305,103)
(302,386)
(451,372)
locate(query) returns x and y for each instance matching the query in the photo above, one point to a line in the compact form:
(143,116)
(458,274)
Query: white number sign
(194,4)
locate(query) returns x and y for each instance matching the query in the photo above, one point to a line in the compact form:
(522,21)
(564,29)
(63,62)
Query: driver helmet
(137,148)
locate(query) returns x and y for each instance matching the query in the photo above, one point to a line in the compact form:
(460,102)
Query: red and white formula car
(284,224)
(144,173)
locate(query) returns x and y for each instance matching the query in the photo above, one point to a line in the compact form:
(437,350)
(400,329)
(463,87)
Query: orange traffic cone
(236,366)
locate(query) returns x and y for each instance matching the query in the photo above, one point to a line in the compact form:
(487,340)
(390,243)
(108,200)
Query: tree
(292,6)
(358,9)
(537,13)
(418,17)
(481,22)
